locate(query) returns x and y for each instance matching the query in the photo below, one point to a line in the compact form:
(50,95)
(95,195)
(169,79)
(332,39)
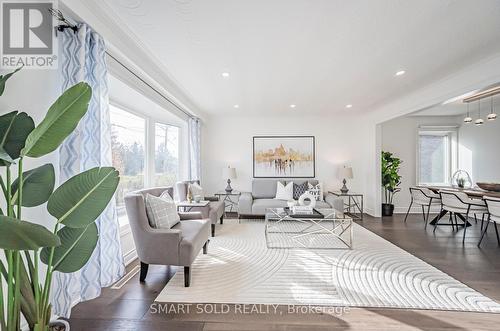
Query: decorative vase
(461,179)
(307,196)
(387,209)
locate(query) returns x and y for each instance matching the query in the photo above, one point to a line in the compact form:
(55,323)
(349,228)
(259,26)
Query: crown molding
(126,46)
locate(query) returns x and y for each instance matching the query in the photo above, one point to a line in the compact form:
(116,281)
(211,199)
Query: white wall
(343,139)
(479,151)
(399,136)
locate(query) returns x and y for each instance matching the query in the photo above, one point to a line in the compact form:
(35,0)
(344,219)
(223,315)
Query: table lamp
(229,173)
(345,172)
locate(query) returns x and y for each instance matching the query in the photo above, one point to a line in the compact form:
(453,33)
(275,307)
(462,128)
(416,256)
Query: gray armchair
(214,211)
(177,246)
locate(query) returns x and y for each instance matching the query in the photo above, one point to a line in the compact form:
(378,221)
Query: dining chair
(459,204)
(493,205)
(423,197)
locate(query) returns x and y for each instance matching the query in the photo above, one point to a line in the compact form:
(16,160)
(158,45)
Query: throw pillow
(316,191)
(299,189)
(166,196)
(284,192)
(196,190)
(162,214)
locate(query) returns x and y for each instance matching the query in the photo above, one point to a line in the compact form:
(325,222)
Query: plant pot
(387,209)
(58,325)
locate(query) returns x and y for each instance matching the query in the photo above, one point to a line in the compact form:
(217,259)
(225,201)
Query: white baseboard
(416,210)
(129,257)
(403,210)
(369,211)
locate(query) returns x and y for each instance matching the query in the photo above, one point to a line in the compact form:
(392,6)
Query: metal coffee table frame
(337,226)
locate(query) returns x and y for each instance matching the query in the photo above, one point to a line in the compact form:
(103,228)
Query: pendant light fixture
(467,118)
(479,120)
(492,116)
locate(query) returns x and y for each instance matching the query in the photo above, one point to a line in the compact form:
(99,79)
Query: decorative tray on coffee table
(315,214)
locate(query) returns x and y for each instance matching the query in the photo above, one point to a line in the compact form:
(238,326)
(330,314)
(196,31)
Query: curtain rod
(68,25)
(150,86)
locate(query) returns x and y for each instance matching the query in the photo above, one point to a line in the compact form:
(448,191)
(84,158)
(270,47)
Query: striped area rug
(240,269)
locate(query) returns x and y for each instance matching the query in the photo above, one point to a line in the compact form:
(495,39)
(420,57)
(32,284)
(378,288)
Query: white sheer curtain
(194,127)
(83,59)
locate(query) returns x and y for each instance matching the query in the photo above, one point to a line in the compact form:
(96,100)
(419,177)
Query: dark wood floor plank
(131,325)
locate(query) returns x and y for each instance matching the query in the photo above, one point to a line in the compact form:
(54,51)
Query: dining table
(473,193)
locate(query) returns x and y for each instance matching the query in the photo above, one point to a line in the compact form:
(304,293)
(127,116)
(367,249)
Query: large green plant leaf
(26,236)
(61,119)
(77,245)
(38,185)
(82,198)
(14,129)
(4,78)
(5,157)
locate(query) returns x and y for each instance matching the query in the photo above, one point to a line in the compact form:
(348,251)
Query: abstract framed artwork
(284,157)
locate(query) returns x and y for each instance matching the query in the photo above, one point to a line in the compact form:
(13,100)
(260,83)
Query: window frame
(153,154)
(125,228)
(149,147)
(451,157)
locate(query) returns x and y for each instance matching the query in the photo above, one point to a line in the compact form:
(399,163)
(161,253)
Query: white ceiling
(317,54)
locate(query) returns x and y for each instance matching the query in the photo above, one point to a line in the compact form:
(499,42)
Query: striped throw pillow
(162,214)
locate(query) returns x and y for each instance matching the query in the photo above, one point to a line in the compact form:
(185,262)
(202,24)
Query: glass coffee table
(332,229)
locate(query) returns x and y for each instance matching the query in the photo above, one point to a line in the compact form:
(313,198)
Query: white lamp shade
(346,172)
(229,173)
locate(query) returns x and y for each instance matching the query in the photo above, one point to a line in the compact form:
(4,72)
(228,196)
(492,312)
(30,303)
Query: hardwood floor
(129,307)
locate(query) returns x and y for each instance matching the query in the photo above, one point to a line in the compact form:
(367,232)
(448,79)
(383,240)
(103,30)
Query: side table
(230,200)
(354,204)
(187,206)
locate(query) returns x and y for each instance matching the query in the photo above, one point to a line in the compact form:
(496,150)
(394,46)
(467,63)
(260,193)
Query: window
(128,146)
(436,156)
(166,167)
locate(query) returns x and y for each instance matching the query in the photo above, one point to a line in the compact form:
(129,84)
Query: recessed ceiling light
(348,106)
(400,73)
(225,74)
(236,106)
(293,106)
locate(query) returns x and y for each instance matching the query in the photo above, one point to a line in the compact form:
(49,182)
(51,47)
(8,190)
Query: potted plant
(390,181)
(75,205)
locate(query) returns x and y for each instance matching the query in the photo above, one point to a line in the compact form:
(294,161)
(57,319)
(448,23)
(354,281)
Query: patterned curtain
(194,128)
(83,59)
